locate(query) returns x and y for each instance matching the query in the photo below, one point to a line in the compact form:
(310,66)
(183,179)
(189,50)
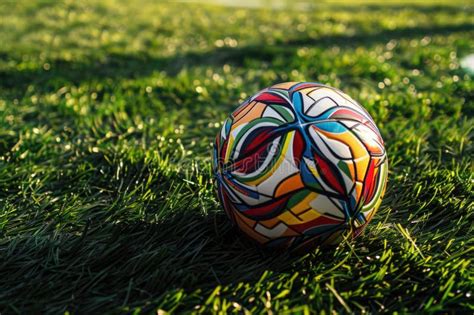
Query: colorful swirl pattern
(299,165)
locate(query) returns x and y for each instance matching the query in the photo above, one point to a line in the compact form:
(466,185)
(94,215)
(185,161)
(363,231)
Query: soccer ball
(299,165)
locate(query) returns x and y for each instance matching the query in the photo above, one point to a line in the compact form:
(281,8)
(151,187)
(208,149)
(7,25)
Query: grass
(107,113)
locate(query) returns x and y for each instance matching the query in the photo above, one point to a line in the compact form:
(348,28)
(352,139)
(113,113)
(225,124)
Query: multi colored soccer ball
(299,165)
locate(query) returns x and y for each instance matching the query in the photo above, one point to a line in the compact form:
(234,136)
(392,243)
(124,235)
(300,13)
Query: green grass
(107,113)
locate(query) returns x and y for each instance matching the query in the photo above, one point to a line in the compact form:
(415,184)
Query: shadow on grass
(117,66)
(115,264)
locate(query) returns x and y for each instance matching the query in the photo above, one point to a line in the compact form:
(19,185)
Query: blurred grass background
(107,114)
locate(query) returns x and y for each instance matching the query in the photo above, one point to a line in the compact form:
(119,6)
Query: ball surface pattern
(299,165)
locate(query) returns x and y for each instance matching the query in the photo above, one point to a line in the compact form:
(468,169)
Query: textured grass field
(107,114)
